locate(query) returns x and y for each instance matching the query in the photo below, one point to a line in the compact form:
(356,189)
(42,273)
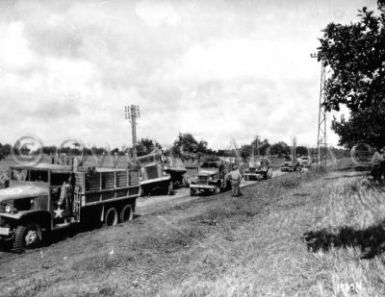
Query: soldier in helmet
(235,176)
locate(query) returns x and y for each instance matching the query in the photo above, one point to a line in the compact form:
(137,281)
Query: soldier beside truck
(45,198)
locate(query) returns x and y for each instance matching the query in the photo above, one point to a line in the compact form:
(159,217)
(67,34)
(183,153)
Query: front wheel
(28,237)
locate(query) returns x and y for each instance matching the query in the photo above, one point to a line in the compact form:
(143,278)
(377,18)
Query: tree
(355,54)
(146,145)
(366,126)
(186,143)
(280,149)
(302,150)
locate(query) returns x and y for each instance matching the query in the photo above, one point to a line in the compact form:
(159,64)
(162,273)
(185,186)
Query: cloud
(157,13)
(219,69)
(15,54)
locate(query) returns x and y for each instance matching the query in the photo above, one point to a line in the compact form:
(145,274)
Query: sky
(218,69)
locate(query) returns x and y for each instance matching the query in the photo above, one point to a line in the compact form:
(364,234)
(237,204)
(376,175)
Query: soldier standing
(377,160)
(236,177)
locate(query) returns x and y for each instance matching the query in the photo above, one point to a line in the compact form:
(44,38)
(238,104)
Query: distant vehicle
(304,161)
(153,177)
(46,198)
(288,165)
(258,169)
(211,180)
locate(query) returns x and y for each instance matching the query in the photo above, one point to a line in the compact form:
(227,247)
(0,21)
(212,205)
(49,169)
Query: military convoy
(47,197)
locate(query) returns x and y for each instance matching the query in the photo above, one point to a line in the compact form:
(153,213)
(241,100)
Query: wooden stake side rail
(100,187)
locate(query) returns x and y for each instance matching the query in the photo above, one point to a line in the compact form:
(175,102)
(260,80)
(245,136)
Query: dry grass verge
(298,235)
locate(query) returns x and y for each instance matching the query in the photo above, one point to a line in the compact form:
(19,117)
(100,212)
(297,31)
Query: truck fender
(41,217)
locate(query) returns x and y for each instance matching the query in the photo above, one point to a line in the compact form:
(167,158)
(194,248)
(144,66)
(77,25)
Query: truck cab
(260,168)
(211,180)
(49,197)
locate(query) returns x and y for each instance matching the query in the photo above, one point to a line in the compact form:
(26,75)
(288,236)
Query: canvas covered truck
(47,198)
(211,180)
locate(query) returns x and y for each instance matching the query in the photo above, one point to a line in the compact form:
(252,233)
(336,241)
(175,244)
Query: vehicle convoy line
(146,206)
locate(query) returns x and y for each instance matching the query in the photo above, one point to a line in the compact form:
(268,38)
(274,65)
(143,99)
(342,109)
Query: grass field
(297,235)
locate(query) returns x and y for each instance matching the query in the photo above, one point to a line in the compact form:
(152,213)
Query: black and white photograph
(192,148)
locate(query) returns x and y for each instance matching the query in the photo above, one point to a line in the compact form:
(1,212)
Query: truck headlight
(9,209)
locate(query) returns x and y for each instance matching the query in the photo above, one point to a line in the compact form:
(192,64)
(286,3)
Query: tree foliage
(187,144)
(280,148)
(146,145)
(355,54)
(261,147)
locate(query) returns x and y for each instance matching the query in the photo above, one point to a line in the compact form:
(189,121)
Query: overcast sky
(218,69)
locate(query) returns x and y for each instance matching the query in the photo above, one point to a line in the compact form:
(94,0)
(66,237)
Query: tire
(126,213)
(27,237)
(217,190)
(185,182)
(170,190)
(111,217)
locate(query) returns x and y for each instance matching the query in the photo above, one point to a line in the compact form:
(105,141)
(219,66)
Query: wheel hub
(31,237)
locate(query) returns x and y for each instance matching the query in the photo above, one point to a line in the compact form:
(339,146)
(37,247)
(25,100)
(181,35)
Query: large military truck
(211,179)
(258,169)
(289,164)
(46,198)
(153,177)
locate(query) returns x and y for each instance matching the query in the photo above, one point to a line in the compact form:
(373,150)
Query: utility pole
(132,113)
(321,135)
(257,144)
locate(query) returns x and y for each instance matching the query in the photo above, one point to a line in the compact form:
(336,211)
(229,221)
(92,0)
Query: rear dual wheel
(126,214)
(112,217)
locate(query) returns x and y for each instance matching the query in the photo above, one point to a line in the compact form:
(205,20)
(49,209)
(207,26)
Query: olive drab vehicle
(211,179)
(258,169)
(153,177)
(47,197)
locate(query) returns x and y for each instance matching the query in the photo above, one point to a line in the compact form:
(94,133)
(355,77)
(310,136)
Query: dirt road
(147,205)
(76,253)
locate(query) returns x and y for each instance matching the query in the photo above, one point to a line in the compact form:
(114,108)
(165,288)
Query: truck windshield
(23,175)
(38,176)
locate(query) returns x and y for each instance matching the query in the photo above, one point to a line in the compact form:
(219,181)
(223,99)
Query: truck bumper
(203,187)
(252,175)
(4,231)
